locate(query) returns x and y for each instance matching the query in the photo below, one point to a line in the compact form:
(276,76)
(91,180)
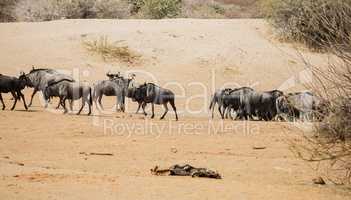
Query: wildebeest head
(24,80)
(282,105)
(276,93)
(112,76)
(226,91)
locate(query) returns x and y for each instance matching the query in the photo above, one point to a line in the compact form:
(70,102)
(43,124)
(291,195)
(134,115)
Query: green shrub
(316,23)
(158,9)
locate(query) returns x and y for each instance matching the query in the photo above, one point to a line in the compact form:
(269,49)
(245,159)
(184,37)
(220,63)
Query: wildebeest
(137,97)
(309,106)
(217,98)
(151,93)
(67,90)
(248,103)
(14,86)
(285,110)
(266,105)
(238,100)
(39,79)
(114,87)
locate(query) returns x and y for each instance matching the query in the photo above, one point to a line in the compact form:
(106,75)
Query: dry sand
(45,155)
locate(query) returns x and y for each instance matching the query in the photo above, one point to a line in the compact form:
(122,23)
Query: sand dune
(45,155)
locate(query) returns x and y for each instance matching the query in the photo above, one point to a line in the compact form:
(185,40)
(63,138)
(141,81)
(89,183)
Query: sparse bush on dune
(158,9)
(314,23)
(202,9)
(39,10)
(112,9)
(44,10)
(323,25)
(111,51)
(6,10)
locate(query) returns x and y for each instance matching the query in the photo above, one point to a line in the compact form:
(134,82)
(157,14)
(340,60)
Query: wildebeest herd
(52,83)
(240,103)
(246,103)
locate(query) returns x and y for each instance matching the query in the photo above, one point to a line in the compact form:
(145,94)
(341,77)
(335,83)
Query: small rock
(174,150)
(258,147)
(318,181)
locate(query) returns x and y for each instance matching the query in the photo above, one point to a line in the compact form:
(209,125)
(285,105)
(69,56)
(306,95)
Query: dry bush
(202,9)
(324,25)
(112,9)
(111,51)
(78,9)
(158,9)
(220,9)
(6,10)
(313,23)
(44,10)
(330,147)
(39,10)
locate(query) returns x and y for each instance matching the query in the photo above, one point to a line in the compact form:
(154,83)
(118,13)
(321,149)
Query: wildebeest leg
(19,93)
(143,105)
(152,109)
(64,105)
(139,106)
(230,113)
(227,112)
(174,108)
(58,105)
(166,110)
(83,104)
(2,101)
(220,111)
(31,99)
(99,101)
(71,104)
(89,104)
(15,97)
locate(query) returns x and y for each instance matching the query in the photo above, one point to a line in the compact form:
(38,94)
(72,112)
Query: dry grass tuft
(111,51)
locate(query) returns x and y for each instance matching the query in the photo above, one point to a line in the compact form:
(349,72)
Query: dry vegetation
(323,25)
(43,10)
(111,51)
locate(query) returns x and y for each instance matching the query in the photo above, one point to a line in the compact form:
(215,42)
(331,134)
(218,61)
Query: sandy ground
(46,155)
